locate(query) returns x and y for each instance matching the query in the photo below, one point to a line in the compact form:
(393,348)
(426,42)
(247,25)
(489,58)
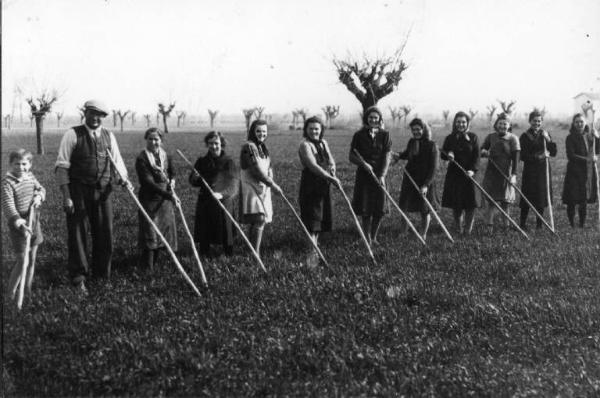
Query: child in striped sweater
(22,193)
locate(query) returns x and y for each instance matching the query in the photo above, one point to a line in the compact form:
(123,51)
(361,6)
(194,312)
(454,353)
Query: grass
(491,315)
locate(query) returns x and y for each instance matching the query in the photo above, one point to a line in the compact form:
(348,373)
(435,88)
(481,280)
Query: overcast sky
(233,54)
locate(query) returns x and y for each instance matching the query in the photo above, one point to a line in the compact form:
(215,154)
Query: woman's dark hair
(252,135)
(460,114)
(213,134)
(153,130)
(313,119)
(426,130)
(502,116)
(370,110)
(535,113)
(586,128)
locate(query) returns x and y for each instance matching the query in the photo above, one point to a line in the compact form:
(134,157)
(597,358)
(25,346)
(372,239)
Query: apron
(255,195)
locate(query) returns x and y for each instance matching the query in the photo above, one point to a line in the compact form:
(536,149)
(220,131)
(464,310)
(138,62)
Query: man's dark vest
(89,162)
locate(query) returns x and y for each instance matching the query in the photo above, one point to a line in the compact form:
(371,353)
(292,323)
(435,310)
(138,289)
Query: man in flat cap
(85,176)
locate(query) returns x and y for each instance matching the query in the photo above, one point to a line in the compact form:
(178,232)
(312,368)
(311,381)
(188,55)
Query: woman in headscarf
(156,176)
(374,145)
(580,179)
(218,170)
(317,173)
(256,182)
(533,181)
(460,194)
(502,148)
(422,155)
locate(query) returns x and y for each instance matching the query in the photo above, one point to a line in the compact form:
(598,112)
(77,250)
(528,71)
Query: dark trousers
(93,213)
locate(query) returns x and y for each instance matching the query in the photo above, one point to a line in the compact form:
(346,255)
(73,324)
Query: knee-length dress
(255,180)
(580,178)
(502,151)
(211,225)
(368,198)
(315,196)
(533,181)
(154,174)
(459,191)
(422,155)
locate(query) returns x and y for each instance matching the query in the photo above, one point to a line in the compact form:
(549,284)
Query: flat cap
(97,106)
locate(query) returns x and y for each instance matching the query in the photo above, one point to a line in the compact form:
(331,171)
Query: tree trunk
(39,128)
(368,101)
(122,125)
(165,124)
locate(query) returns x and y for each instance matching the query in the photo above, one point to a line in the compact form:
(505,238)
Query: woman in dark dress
(422,155)
(155,174)
(317,173)
(374,145)
(460,193)
(211,225)
(533,181)
(580,179)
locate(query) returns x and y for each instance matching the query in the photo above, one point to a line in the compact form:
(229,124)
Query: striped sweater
(17,195)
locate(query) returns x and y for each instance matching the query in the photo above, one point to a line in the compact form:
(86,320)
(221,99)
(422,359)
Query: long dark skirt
(315,202)
(211,225)
(163,215)
(412,201)
(460,193)
(368,198)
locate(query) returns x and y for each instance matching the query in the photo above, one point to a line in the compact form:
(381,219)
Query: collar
(24,177)
(93,132)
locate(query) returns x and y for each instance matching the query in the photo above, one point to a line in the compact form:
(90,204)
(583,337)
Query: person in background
(155,173)
(211,225)
(460,194)
(85,175)
(533,156)
(318,173)
(21,194)
(422,155)
(374,145)
(256,183)
(580,180)
(502,148)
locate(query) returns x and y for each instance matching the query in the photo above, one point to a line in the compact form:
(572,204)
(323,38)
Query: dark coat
(422,165)
(211,225)
(533,181)
(579,186)
(157,200)
(459,191)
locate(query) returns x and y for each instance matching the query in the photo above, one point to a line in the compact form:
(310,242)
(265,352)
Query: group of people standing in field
(89,162)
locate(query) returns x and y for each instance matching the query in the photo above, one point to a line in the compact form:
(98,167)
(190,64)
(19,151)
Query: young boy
(21,192)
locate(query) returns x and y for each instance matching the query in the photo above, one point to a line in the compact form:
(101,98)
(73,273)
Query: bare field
(491,315)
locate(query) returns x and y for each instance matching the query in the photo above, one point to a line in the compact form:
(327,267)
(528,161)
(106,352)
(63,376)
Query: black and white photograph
(334,198)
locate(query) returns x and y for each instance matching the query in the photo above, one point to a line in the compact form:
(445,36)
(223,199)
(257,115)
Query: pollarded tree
(446,115)
(132,117)
(7,121)
(371,80)
(294,120)
(212,115)
(258,111)
(302,114)
(180,118)
(507,107)
(331,112)
(147,117)
(394,112)
(473,113)
(157,118)
(248,113)
(166,113)
(491,109)
(122,116)
(38,112)
(59,116)
(406,110)
(114,114)
(81,110)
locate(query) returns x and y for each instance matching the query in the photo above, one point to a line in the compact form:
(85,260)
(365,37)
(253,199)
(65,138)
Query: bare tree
(212,115)
(258,111)
(114,114)
(446,115)
(371,80)
(59,116)
(122,116)
(301,114)
(473,113)
(7,121)
(180,118)
(38,112)
(405,112)
(294,120)
(157,118)
(166,113)
(132,116)
(507,107)
(81,110)
(248,113)
(491,109)
(331,112)
(147,117)
(395,113)
(31,119)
